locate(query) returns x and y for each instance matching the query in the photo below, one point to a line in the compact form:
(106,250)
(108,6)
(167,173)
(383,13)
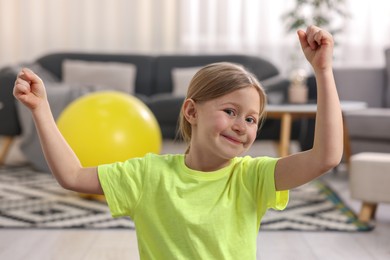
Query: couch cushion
(372,123)
(114,75)
(361,84)
(370,145)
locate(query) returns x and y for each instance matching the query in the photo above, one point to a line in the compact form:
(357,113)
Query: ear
(189,111)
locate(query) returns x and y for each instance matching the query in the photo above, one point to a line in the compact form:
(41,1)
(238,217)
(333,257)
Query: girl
(207,203)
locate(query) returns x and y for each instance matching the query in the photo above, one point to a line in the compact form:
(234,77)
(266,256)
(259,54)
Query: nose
(239,125)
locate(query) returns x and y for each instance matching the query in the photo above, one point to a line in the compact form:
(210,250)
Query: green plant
(327,14)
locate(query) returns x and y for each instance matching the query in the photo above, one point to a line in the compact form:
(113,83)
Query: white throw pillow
(181,78)
(113,75)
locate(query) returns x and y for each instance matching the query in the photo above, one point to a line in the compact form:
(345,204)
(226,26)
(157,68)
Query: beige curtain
(31,28)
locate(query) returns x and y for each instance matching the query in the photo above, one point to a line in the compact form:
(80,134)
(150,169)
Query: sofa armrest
(370,123)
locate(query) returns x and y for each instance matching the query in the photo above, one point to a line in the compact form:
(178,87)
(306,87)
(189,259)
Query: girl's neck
(203,163)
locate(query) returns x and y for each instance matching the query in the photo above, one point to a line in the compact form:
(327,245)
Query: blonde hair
(216,80)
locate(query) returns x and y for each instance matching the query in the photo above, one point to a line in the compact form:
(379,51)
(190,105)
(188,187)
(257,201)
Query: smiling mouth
(232,140)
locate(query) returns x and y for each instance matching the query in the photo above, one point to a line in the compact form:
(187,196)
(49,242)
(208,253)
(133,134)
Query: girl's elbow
(66,185)
(67,182)
(330,163)
(68,179)
(328,158)
(324,162)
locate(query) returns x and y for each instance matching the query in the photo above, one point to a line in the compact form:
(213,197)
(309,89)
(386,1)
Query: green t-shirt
(180,213)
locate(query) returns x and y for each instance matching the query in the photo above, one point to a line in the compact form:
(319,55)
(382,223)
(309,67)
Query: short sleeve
(122,184)
(264,185)
(279,199)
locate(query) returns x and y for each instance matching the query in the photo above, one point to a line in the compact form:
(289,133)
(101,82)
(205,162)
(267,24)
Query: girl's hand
(29,89)
(317,45)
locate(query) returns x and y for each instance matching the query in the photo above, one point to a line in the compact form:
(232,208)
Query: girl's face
(226,127)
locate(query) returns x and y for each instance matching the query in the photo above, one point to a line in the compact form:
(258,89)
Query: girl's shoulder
(255,166)
(249,160)
(164,159)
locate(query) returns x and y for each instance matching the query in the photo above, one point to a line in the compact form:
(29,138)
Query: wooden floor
(108,244)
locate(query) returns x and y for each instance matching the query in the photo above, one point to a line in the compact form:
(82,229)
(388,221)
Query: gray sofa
(368,129)
(153,84)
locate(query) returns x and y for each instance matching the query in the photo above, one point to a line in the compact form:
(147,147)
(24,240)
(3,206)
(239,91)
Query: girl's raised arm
(63,162)
(300,168)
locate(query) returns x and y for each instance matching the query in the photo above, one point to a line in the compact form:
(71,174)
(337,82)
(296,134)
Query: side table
(5,143)
(288,112)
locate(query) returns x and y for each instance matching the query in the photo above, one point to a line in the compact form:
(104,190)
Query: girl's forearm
(328,139)
(61,159)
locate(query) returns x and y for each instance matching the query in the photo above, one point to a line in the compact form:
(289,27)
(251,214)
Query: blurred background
(32,28)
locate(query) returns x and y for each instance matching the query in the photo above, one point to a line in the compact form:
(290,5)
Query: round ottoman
(370,181)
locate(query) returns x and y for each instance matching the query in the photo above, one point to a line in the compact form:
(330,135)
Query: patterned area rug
(314,207)
(30,199)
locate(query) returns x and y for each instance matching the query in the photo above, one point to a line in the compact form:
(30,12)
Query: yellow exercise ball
(109,126)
